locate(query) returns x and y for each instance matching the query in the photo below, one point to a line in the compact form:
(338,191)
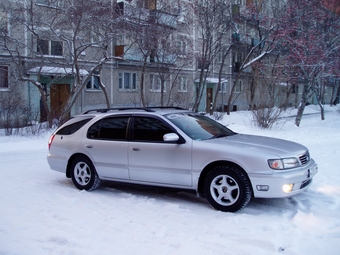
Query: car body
(174,147)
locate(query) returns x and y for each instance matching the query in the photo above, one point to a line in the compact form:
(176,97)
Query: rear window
(73,127)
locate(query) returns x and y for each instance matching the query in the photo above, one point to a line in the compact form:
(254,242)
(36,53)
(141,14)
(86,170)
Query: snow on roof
(56,70)
(212,80)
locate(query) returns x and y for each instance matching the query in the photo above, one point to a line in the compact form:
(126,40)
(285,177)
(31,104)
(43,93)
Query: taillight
(50,141)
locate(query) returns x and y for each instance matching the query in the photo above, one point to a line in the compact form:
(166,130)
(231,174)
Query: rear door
(106,143)
(154,161)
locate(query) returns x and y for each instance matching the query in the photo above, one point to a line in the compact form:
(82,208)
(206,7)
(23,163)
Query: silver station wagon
(173,147)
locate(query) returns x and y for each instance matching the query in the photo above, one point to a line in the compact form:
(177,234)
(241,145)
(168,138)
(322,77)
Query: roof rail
(147,109)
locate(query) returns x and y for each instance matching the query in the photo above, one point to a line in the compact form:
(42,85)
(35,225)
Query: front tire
(227,188)
(83,173)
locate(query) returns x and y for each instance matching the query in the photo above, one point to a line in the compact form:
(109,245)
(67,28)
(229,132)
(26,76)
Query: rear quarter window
(73,127)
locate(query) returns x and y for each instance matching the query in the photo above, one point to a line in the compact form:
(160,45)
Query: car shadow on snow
(163,194)
(188,198)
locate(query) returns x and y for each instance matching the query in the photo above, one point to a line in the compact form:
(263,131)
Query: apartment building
(70,56)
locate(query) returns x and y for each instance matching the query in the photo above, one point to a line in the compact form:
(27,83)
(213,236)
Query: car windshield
(199,127)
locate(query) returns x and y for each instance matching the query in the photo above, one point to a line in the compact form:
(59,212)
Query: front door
(154,161)
(59,94)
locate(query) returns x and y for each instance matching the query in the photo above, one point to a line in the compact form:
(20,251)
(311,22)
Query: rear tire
(227,188)
(83,173)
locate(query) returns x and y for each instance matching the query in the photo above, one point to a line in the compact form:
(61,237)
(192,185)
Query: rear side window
(109,129)
(73,127)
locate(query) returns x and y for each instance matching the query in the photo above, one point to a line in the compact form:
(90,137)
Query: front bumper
(272,186)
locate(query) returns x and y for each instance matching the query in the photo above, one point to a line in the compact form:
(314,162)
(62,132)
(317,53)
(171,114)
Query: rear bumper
(299,179)
(57,164)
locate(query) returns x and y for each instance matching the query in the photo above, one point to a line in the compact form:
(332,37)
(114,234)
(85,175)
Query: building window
(182,84)
(238,86)
(223,87)
(127,81)
(3,77)
(50,3)
(181,47)
(94,82)
(3,22)
(147,4)
(155,83)
(50,48)
(200,32)
(201,64)
(238,60)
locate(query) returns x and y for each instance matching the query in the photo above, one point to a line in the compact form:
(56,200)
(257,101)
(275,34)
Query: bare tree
(261,45)
(69,28)
(153,33)
(214,23)
(309,42)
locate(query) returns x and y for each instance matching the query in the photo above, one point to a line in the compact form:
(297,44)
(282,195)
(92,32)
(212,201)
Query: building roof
(52,70)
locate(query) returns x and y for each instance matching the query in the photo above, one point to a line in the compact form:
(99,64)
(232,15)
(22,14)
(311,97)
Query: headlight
(284,163)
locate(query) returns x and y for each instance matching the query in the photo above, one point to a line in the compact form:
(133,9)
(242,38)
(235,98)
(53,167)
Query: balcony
(131,11)
(163,18)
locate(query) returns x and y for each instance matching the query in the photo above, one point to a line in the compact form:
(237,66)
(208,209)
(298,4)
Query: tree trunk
(302,105)
(108,105)
(46,108)
(232,92)
(322,111)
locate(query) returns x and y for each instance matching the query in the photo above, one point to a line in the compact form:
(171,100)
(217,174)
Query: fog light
(262,187)
(287,187)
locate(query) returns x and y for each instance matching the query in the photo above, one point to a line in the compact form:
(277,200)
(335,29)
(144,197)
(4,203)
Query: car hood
(279,147)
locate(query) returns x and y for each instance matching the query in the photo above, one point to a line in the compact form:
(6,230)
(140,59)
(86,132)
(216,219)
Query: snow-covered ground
(43,213)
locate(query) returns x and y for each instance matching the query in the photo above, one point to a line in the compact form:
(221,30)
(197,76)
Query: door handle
(88,146)
(135,149)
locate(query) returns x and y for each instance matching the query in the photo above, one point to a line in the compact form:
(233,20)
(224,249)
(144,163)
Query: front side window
(149,129)
(94,82)
(51,48)
(109,129)
(127,81)
(3,77)
(199,127)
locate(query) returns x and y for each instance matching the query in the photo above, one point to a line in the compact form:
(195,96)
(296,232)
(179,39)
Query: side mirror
(170,137)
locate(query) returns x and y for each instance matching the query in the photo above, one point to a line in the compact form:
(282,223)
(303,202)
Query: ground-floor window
(238,86)
(182,84)
(127,81)
(156,83)
(94,82)
(223,87)
(3,77)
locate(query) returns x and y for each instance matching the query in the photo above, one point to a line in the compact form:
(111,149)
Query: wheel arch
(212,165)
(69,163)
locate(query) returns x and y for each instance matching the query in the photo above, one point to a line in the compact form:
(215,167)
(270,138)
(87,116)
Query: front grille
(304,158)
